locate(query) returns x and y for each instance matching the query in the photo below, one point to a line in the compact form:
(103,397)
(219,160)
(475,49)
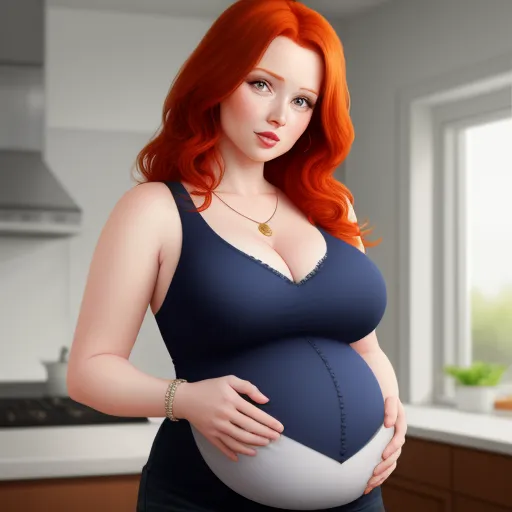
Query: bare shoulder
(147,198)
(149,207)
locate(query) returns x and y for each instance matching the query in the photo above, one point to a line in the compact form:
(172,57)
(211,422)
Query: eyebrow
(282,79)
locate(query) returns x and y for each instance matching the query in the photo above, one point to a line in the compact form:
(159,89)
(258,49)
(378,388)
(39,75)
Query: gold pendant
(265,229)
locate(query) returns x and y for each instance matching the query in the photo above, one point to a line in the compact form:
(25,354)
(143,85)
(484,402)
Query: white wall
(107,75)
(401,44)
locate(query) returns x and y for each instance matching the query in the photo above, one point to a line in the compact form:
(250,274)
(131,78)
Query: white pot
(475,398)
(56,382)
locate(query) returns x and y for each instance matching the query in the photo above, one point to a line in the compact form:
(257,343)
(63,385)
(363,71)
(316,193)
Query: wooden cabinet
(430,477)
(98,494)
(407,495)
(438,477)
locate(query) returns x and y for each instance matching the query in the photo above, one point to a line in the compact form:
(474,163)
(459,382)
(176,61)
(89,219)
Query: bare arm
(368,348)
(120,284)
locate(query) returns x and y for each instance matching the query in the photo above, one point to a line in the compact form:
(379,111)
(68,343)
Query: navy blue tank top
(226,312)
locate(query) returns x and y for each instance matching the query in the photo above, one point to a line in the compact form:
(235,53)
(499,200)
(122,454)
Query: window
(488,167)
(455,257)
(472,242)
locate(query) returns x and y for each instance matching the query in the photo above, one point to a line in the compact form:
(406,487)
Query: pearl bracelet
(169,398)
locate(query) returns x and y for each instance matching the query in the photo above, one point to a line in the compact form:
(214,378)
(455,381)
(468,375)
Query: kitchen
(89,80)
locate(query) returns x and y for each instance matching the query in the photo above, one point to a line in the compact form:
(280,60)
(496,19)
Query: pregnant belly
(332,409)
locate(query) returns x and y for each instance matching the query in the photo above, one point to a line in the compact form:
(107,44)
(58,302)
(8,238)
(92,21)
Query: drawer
(482,475)
(401,495)
(426,462)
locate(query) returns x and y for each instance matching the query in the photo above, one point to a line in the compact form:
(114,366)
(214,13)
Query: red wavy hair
(185,144)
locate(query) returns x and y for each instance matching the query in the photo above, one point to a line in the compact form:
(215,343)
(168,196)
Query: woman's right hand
(216,409)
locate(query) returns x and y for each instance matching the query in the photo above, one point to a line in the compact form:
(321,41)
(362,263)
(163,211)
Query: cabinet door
(483,476)
(425,462)
(98,494)
(404,495)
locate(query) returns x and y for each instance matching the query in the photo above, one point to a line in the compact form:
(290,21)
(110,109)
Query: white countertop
(53,452)
(490,432)
(75,451)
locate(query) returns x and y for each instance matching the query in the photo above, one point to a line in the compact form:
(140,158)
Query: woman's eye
(307,103)
(260,82)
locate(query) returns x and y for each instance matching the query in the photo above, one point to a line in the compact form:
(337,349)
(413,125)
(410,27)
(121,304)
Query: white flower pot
(56,383)
(475,398)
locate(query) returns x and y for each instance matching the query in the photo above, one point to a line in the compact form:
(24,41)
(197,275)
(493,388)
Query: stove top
(54,411)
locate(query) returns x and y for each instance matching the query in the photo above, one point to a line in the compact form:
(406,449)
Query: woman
(263,295)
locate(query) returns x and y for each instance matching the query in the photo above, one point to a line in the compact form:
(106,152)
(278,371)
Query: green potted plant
(476,385)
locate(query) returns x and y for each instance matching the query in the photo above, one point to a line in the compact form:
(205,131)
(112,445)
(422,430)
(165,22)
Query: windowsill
(490,432)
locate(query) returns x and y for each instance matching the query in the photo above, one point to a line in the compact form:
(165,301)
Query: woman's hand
(216,409)
(394,414)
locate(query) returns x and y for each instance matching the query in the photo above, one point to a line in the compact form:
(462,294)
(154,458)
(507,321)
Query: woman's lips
(267,141)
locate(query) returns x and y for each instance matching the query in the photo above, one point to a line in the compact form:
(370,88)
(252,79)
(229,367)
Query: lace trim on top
(286,278)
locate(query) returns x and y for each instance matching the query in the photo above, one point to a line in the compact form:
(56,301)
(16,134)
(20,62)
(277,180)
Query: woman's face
(277,96)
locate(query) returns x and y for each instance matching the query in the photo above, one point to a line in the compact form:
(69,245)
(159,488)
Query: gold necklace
(263,227)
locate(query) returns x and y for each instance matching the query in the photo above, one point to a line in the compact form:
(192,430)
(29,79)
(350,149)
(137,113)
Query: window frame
(452,307)
(431,118)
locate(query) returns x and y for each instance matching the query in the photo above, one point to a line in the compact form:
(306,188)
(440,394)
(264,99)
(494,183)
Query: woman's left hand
(394,414)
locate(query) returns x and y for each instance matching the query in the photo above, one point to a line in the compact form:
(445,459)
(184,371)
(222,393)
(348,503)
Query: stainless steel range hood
(33,202)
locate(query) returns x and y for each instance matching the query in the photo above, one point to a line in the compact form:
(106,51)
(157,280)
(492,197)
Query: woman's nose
(278,115)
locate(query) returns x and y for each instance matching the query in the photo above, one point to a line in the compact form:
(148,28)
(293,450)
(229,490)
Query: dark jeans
(156,498)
